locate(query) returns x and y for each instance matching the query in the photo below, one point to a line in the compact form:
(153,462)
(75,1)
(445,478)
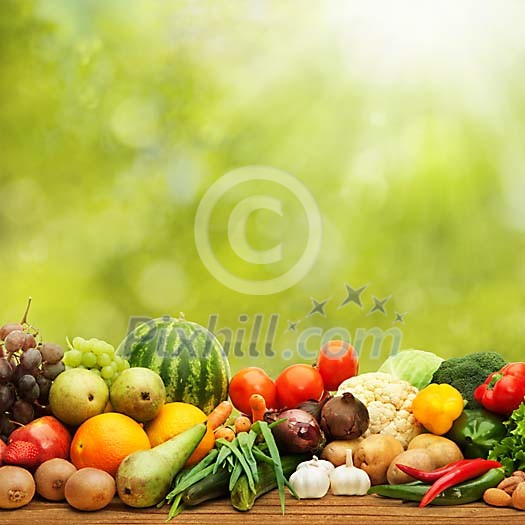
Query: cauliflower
(389,403)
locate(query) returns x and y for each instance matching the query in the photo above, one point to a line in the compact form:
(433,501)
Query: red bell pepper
(503,391)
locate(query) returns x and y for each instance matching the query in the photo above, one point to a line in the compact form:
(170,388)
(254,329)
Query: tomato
(248,381)
(337,361)
(298,383)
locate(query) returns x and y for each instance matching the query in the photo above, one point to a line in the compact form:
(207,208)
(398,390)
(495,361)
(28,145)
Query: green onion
(191,480)
(176,507)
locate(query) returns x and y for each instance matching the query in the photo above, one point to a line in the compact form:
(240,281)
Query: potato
(418,458)
(374,455)
(442,450)
(335,451)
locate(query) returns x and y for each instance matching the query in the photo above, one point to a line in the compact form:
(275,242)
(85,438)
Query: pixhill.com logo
(259,335)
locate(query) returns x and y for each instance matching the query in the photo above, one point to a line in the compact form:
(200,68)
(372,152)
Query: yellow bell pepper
(436,407)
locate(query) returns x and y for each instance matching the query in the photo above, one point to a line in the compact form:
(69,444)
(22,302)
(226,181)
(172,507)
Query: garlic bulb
(310,481)
(329,467)
(348,480)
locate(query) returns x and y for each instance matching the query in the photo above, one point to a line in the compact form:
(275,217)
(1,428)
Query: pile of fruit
(161,420)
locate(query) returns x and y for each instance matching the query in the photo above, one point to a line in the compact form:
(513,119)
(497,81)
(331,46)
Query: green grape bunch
(95,355)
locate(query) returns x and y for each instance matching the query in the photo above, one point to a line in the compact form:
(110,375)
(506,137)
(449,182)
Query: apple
(48,434)
(76,395)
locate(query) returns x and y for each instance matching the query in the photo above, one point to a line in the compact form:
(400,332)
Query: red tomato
(337,361)
(298,383)
(248,381)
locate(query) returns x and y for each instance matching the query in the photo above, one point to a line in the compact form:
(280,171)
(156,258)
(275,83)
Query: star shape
(400,318)
(353,295)
(318,307)
(292,326)
(379,305)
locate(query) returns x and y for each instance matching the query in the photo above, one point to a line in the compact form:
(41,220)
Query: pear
(144,477)
(138,392)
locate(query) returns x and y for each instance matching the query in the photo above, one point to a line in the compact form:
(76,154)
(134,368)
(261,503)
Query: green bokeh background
(406,123)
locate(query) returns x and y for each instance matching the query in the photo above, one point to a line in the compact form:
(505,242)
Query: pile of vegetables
(420,429)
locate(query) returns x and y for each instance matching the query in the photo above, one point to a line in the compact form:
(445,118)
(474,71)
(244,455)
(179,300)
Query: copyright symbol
(237,226)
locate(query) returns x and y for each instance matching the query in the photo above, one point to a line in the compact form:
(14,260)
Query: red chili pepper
(503,391)
(433,475)
(463,472)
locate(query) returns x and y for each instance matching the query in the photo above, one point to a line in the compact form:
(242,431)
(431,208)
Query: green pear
(76,395)
(145,477)
(139,393)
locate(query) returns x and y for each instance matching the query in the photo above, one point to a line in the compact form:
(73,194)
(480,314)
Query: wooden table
(327,511)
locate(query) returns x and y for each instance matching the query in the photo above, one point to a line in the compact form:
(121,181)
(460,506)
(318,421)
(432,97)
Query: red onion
(299,434)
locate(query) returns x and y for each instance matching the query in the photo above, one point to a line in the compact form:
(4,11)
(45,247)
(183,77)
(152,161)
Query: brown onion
(344,417)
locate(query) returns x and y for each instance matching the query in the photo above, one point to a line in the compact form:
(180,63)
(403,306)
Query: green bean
(274,454)
(231,462)
(261,456)
(223,453)
(246,442)
(235,475)
(238,455)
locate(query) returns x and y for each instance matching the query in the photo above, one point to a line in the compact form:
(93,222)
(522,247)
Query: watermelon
(188,357)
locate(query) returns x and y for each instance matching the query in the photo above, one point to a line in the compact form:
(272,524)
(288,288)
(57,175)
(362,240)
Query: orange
(103,441)
(175,418)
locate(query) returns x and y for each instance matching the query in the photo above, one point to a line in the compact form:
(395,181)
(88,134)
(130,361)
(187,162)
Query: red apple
(3,446)
(48,434)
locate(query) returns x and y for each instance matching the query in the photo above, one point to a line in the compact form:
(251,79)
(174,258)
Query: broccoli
(467,372)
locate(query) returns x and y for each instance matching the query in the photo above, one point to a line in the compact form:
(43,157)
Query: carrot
(258,406)
(242,424)
(220,414)
(225,433)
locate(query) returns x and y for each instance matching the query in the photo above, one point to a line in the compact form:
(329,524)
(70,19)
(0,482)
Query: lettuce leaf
(510,452)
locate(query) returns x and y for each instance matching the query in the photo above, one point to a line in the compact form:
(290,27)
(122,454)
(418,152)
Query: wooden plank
(332,509)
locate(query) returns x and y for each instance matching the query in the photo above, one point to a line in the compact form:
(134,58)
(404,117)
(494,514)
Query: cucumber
(242,498)
(211,487)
